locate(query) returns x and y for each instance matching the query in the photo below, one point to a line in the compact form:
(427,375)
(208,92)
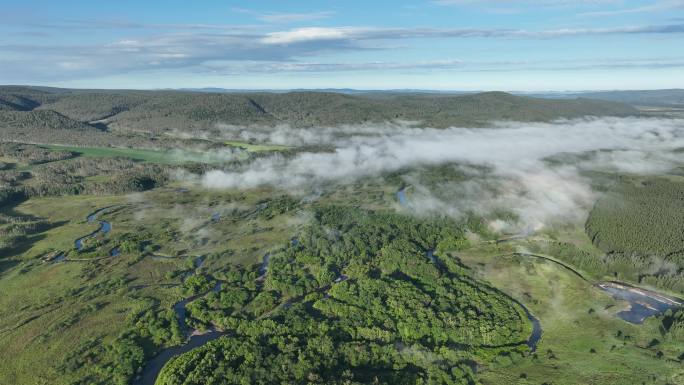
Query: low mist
(534,170)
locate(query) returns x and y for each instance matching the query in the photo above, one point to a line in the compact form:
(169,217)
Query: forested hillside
(158,111)
(665,98)
(644,216)
(640,225)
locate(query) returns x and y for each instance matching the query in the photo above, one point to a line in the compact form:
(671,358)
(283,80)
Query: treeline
(645,216)
(117,361)
(672,327)
(311,109)
(94,106)
(29,154)
(647,270)
(79,176)
(23,120)
(18,98)
(72,177)
(43,127)
(640,227)
(45,120)
(14,230)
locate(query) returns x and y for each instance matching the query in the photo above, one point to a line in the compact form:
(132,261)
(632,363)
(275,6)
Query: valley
(353,253)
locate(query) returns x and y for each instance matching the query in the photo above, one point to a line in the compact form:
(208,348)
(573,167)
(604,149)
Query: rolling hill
(648,98)
(154,112)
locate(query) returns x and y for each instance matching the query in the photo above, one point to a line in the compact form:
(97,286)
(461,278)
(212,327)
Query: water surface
(642,303)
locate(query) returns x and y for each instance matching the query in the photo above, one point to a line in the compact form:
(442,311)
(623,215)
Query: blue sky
(513,45)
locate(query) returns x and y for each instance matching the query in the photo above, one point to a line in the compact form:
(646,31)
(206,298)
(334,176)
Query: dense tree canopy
(354,299)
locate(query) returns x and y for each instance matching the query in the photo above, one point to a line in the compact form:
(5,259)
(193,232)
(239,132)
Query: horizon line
(334,89)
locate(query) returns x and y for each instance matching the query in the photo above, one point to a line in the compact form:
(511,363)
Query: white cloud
(300,35)
(357,34)
(279,51)
(294,17)
(284,17)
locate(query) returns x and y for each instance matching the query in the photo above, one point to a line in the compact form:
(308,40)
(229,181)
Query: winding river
(401,196)
(194,338)
(431,255)
(105,228)
(154,366)
(263,269)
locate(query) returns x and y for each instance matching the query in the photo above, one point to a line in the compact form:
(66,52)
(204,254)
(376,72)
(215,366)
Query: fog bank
(536,167)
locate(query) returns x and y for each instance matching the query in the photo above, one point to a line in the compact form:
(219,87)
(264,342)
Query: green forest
(355,300)
(639,224)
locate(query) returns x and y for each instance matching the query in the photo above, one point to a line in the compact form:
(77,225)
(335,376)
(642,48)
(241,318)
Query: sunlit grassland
(64,318)
(50,308)
(154,156)
(252,147)
(186,220)
(572,234)
(7,159)
(171,157)
(576,317)
(68,218)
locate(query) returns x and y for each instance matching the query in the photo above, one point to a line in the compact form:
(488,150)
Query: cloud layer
(234,49)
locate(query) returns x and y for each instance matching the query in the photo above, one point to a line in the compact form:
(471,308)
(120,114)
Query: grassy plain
(583,341)
(153,156)
(254,147)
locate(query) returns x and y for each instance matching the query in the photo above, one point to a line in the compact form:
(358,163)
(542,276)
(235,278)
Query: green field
(144,155)
(256,147)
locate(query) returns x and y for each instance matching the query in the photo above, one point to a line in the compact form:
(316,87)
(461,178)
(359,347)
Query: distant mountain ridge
(662,98)
(159,111)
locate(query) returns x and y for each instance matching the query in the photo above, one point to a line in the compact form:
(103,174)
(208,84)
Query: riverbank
(193,338)
(643,303)
(583,340)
